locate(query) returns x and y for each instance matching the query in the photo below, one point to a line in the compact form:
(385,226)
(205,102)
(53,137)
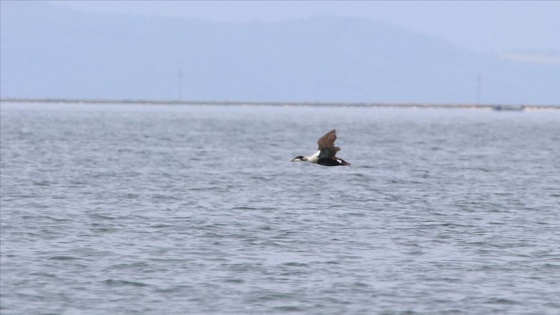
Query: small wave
(504,301)
(295,264)
(244,208)
(113,282)
(63,258)
(288,308)
(277,296)
(237,281)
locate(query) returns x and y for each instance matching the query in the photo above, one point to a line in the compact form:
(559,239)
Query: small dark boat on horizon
(514,108)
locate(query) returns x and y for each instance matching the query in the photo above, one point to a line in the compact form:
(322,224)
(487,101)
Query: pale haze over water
(426,52)
(482,26)
(129,209)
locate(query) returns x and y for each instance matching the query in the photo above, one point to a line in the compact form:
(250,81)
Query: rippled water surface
(116,209)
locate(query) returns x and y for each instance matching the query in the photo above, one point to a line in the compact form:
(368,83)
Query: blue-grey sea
(169,209)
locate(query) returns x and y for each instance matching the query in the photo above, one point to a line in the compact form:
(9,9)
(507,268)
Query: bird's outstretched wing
(327,140)
(326,145)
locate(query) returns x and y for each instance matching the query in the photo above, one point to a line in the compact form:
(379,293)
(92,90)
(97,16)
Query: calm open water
(119,209)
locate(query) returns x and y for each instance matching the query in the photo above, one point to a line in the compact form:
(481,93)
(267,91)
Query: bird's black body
(332,162)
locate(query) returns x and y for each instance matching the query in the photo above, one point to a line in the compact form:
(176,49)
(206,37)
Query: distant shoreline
(500,107)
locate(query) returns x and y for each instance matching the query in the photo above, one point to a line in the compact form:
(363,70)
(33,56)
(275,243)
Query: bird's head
(299,158)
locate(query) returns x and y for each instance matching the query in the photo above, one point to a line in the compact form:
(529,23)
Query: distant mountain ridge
(52,52)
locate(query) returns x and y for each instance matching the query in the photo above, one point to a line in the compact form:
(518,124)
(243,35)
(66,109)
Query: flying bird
(326,153)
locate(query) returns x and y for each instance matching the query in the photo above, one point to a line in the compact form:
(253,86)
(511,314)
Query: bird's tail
(342,162)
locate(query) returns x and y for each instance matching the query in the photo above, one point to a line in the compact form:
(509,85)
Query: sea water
(136,209)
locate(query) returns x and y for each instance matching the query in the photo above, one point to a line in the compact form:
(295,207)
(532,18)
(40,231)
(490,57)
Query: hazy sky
(483,26)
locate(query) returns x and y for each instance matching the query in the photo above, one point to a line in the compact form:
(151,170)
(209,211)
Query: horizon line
(280,103)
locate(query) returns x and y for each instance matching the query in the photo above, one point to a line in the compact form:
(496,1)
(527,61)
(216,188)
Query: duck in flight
(326,153)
